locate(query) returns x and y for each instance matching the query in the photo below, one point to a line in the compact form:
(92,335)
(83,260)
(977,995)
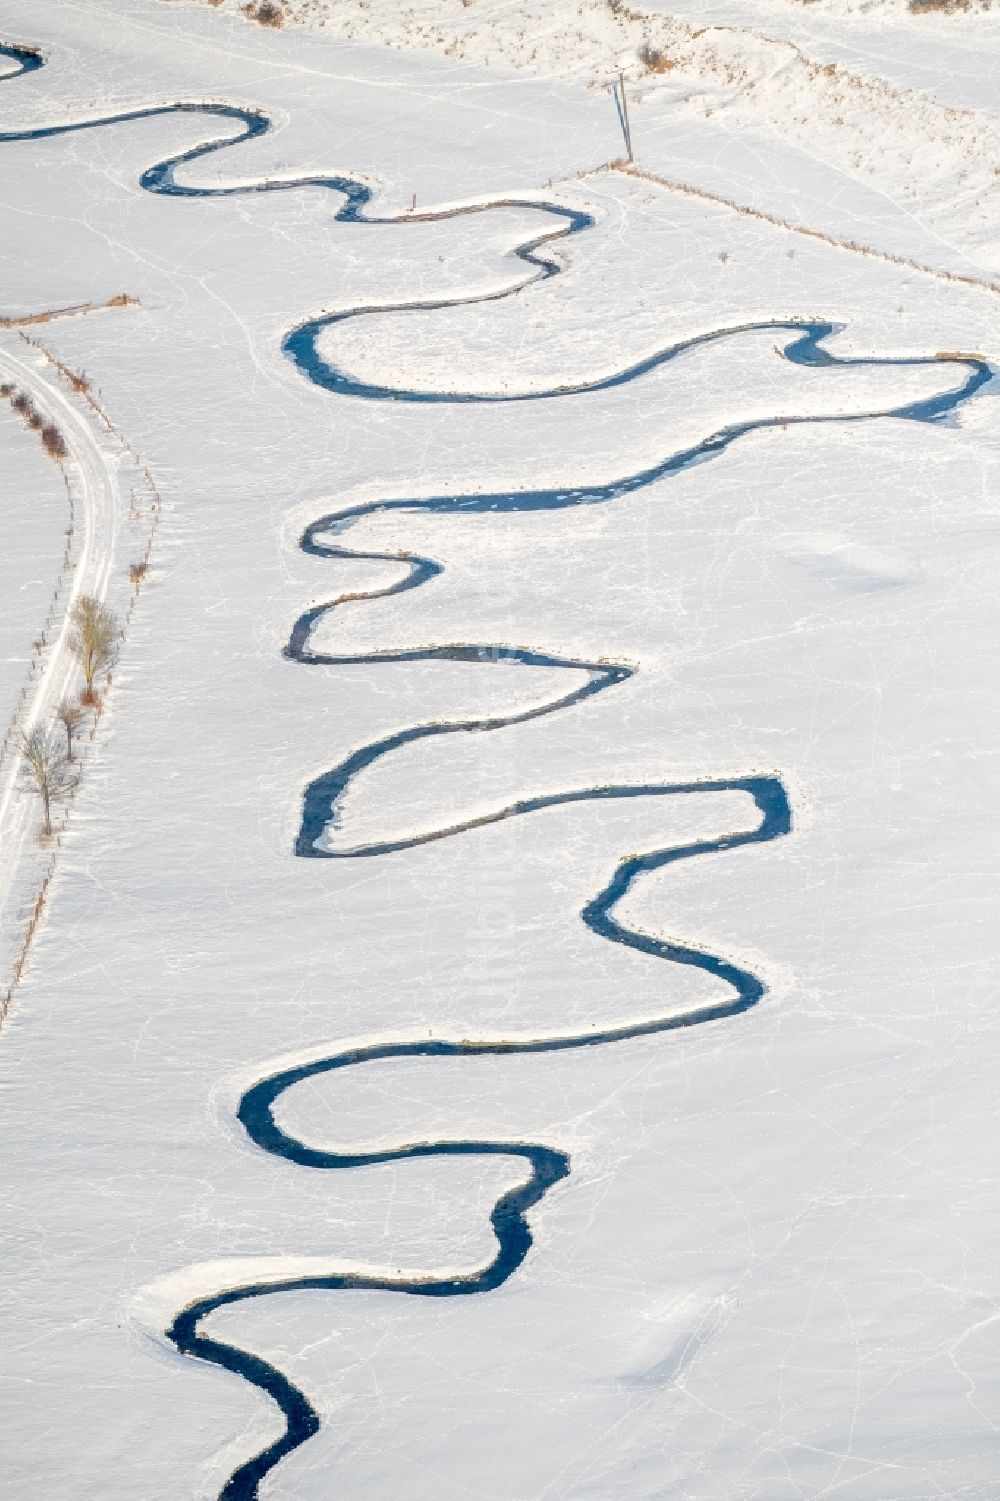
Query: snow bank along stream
(769,812)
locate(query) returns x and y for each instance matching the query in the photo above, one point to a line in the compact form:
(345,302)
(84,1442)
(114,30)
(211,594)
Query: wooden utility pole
(625,118)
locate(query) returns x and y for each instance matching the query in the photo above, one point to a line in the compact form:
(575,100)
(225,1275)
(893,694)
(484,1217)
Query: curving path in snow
(97,526)
(97,529)
(740,990)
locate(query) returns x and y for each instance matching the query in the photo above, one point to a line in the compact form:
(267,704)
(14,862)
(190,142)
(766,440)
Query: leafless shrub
(655,61)
(46,771)
(265,13)
(70,714)
(55,443)
(93,640)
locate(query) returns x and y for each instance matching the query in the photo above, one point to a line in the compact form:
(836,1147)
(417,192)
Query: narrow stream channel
(545,1165)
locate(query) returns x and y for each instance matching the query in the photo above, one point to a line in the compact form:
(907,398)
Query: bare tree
(93,639)
(46,770)
(70,714)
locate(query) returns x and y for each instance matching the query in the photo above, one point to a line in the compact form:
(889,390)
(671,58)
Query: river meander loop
(544,1166)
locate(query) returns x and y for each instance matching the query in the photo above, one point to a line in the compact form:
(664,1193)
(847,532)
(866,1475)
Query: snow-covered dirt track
(94,550)
(809,389)
(98,527)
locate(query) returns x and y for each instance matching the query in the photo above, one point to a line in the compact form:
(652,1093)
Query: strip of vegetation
(75,309)
(52,439)
(48,762)
(50,765)
(946,7)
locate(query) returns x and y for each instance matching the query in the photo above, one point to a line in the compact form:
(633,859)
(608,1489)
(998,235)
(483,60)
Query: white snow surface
(875,121)
(772,1274)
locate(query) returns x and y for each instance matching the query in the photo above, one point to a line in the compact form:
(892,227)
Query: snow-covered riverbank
(769,1271)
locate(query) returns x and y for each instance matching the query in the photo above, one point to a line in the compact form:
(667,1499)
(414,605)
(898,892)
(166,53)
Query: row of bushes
(48,763)
(52,439)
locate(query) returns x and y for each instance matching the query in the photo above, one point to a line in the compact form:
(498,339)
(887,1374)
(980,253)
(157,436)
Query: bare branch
(70,714)
(47,772)
(93,639)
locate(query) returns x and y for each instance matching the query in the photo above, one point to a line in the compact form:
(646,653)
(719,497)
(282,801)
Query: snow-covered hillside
(511,1007)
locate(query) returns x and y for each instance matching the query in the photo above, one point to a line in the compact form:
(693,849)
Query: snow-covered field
(874,124)
(770,1272)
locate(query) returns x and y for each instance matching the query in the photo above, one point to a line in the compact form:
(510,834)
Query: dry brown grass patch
(655,61)
(945,7)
